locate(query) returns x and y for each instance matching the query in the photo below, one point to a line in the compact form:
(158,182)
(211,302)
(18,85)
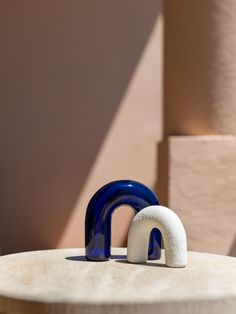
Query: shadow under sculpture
(99,214)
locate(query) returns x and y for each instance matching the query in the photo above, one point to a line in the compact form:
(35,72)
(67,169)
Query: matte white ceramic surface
(172,231)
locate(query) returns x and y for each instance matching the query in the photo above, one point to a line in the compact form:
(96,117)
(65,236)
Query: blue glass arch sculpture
(99,214)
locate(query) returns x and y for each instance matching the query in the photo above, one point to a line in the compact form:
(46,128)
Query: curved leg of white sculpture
(172,231)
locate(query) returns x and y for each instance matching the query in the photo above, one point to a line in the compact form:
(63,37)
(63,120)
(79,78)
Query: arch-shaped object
(99,214)
(172,231)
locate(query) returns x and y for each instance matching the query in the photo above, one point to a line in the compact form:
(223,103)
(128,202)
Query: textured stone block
(202,190)
(63,282)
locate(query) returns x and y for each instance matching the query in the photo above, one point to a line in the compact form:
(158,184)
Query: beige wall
(81,105)
(198,174)
(200,67)
(80,99)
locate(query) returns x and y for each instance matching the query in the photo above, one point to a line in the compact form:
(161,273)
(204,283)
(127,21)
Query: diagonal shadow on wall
(65,66)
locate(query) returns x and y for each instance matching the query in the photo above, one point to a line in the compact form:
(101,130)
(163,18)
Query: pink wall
(80,99)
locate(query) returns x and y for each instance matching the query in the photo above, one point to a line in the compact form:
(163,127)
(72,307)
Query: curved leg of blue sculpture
(101,208)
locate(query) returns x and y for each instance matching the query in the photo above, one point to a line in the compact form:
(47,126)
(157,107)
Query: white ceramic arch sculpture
(172,231)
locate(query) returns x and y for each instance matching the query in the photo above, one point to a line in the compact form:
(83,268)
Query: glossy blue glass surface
(99,214)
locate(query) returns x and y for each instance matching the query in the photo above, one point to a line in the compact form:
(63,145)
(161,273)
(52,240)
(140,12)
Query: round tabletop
(63,281)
